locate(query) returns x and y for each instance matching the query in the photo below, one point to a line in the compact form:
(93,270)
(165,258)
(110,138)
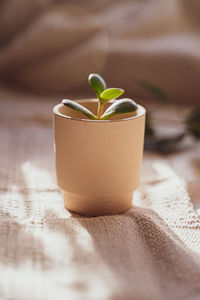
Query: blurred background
(50,46)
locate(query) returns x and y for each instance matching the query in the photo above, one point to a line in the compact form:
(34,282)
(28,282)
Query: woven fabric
(150,252)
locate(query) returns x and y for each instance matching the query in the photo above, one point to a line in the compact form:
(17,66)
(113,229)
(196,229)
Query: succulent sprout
(104,95)
(120,107)
(78,107)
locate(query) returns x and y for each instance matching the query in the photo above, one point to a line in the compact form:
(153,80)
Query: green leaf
(158,93)
(121,106)
(78,107)
(110,94)
(97,83)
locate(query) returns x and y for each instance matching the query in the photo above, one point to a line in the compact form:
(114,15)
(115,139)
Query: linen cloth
(52,45)
(152,251)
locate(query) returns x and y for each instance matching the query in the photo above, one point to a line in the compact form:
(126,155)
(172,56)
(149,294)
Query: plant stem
(100,110)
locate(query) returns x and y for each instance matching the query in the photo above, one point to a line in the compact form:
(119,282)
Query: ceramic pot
(98,162)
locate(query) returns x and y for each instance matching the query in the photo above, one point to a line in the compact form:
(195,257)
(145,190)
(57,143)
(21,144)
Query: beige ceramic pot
(98,163)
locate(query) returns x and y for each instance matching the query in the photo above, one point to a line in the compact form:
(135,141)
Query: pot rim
(141,110)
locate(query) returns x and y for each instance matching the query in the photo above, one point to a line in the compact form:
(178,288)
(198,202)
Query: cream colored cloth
(52,45)
(151,252)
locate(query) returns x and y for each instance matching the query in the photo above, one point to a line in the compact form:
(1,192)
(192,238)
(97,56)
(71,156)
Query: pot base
(97,206)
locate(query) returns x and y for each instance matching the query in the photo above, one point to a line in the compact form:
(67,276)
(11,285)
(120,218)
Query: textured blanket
(150,252)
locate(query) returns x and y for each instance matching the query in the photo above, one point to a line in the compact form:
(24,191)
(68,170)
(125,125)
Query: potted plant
(98,150)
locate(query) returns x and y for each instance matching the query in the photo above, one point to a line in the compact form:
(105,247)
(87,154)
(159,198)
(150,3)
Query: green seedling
(104,95)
